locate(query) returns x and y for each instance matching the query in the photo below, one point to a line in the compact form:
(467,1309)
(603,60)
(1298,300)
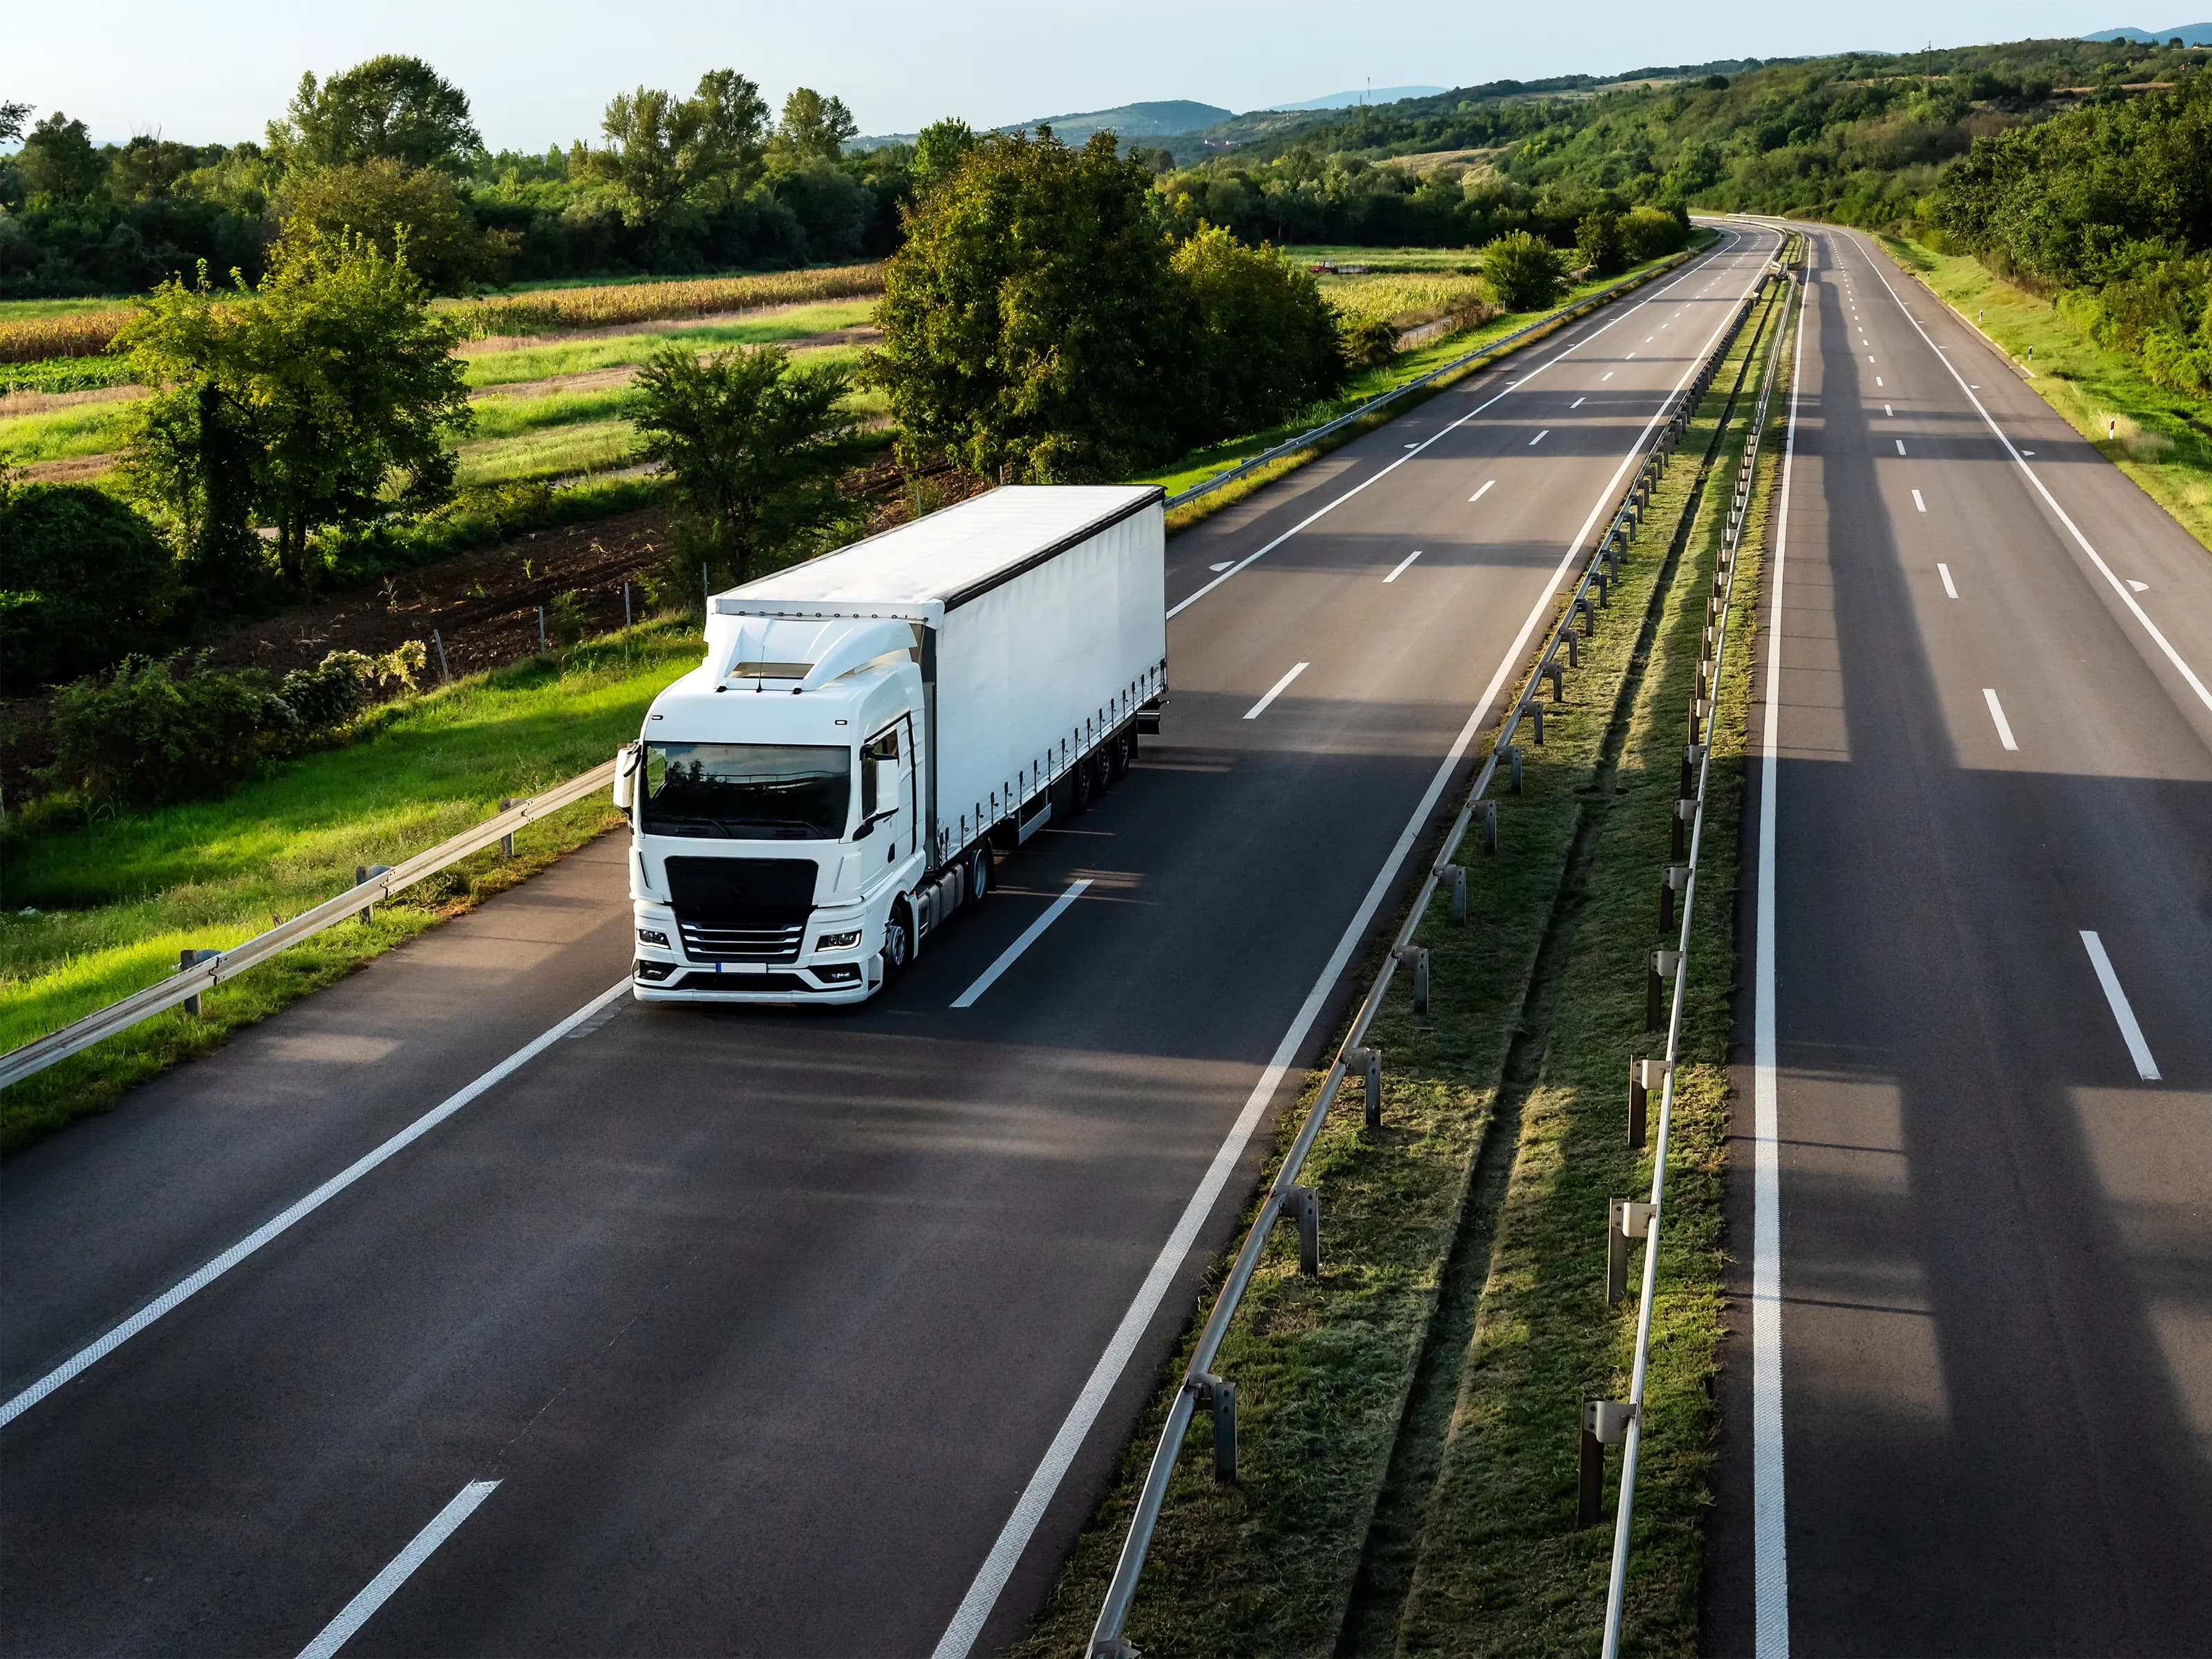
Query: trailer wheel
(1081,784)
(1102,763)
(1122,751)
(978,880)
(898,941)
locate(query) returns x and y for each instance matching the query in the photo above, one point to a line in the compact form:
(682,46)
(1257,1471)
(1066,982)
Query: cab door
(887,789)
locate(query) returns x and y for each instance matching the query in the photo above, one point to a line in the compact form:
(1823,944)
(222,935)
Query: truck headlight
(838,941)
(651,936)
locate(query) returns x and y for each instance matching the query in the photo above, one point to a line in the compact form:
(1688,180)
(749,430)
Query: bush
(84,582)
(1647,232)
(146,733)
(1601,245)
(1523,271)
(1265,342)
(1368,342)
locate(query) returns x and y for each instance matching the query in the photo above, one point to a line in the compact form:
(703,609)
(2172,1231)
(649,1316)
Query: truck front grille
(704,943)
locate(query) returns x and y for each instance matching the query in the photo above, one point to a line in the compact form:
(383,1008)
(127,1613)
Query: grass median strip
(1325,1369)
(116,900)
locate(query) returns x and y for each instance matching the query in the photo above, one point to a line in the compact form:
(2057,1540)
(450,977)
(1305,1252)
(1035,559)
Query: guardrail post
(365,873)
(1535,710)
(1557,675)
(445,673)
(1662,966)
(1513,759)
(1416,957)
(1221,1396)
(1304,1203)
(1693,756)
(1643,1076)
(190,958)
(1599,580)
(1675,879)
(1369,1063)
(541,630)
(1605,1423)
(507,803)
(1624,1219)
(1489,810)
(1574,654)
(1679,840)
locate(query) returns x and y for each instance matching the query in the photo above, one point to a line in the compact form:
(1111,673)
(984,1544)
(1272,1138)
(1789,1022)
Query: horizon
(989,62)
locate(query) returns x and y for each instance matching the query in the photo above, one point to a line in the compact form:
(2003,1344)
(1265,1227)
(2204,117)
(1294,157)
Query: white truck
(810,804)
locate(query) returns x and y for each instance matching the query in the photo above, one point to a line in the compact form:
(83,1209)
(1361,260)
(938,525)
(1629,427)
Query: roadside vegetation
(1353,1528)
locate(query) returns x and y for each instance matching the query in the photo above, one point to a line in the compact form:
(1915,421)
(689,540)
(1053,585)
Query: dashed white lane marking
(2131,1033)
(1918,503)
(1401,567)
(1224,565)
(1950,587)
(1035,931)
(1887,410)
(1484,490)
(1578,403)
(357,1612)
(1608,375)
(2140,588)
(1540,437)
(1275,692)
(1997,714)
(1877,379)
(1900,445)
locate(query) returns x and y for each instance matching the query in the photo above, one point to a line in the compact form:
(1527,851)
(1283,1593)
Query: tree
(1032,318)
(1265,342)
(938,148)
(1522,271)
(58,161)
(754,443)
(1599,244)
(12,117)
(87,580)
(329,395)
(392,107)
(386,203)
(664,154)
(813,125)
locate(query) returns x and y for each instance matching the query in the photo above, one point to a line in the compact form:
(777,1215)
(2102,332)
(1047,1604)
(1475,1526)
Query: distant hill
(1370,95)
(2192,34)
(1160,120)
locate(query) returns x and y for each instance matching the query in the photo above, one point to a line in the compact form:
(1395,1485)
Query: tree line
(714,179)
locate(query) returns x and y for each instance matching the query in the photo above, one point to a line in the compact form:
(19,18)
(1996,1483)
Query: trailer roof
(959,552)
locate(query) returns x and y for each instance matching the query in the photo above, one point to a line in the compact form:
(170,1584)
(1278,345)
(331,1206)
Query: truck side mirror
(626,765)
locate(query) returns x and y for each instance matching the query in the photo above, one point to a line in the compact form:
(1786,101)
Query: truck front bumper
(663,972)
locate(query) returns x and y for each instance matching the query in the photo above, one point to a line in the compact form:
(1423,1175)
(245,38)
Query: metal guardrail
(1108,1639)
(1550,319)
(1606,1420)
(213,968)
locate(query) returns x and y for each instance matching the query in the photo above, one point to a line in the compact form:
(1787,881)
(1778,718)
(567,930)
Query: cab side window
(878,764)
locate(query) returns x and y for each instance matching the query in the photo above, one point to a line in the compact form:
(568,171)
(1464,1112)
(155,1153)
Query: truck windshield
(746,791)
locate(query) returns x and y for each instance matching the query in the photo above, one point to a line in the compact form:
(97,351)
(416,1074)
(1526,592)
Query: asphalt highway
(754,1332)
(1969,1397)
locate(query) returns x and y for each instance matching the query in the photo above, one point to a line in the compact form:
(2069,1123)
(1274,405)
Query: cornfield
(1403,298)
(87,333)
(78,334)
(558,310)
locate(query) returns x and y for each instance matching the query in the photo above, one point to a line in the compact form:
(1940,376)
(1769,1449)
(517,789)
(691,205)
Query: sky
(539,74)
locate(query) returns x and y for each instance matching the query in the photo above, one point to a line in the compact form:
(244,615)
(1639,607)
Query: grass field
(1387,259)
(1317,1548)
(117,899)
(506,367)
(23,311)
(2086,383)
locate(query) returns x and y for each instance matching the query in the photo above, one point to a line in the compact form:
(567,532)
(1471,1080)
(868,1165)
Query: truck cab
(777,814)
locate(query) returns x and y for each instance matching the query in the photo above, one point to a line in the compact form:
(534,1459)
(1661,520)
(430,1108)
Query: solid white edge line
(1181,605)
(975,1609)
(1481,493)
(378,1590)
(1030,934)
(1997,714)
(1402,563)
(2196,683)
(1770,1510)
(1950,588)
(84,1358)
(1276,690)
(2138,1050)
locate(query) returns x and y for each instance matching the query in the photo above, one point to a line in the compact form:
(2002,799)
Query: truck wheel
(1082,784)
(1122,751)
(898,941)
(978,881)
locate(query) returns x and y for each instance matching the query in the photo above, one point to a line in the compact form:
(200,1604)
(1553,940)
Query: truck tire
(1101,761)
(978,879)
(1123,750)
(1080,785)
(898,942)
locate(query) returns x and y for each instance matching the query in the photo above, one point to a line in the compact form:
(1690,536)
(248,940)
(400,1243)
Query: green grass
(64,434)
(490,368)
(64,374)
(26,311)
(1324,1369)
(559,451)
(1386,259)
(1499,1568)
(2086,383)
(118,898)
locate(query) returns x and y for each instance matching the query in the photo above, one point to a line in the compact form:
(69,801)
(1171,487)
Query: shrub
(84,581)
(1265,341)
(145,733)
(1647,232)
(1523,271)
(1368,342)
(1601,245)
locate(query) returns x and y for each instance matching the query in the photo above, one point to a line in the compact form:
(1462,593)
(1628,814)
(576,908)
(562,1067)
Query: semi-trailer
(870,729)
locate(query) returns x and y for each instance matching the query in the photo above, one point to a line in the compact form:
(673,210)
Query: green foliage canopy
(393,108)
(388,203)
(665,154)
(84,581)
(1522,271)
